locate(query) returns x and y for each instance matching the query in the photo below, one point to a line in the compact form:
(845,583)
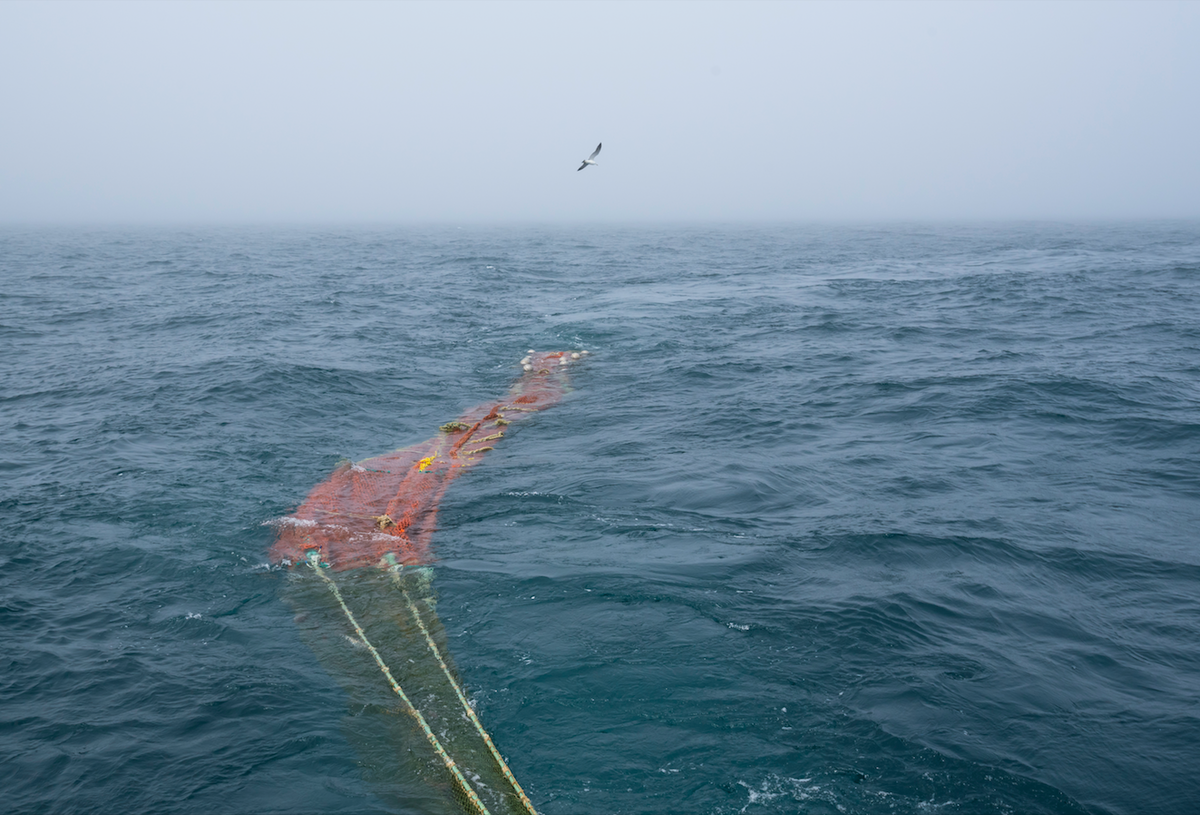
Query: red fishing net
(383,509)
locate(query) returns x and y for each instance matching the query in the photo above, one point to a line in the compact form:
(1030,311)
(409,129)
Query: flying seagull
(588,160)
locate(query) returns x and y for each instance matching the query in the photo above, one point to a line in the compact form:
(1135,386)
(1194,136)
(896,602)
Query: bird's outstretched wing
(596,152)
(581,166)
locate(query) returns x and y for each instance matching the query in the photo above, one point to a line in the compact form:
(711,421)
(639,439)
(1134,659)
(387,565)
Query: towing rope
(437,654)
(314,561)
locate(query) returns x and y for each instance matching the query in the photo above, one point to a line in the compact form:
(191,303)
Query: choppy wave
(836,518)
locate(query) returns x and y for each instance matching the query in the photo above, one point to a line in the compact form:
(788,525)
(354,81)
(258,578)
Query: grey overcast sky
(396,112)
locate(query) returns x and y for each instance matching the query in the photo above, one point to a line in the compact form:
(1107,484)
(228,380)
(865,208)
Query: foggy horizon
(472,114)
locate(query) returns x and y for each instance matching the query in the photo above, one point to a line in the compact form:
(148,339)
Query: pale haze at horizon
(466,112)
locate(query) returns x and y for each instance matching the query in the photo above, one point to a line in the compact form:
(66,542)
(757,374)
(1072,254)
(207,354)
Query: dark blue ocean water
(837,519)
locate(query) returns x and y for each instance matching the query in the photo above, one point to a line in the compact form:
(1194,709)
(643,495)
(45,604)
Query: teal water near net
(871,519)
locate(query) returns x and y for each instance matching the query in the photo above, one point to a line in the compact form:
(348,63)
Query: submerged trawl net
(381,513)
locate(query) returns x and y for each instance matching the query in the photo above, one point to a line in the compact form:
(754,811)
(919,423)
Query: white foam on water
(776,787)
(288,520)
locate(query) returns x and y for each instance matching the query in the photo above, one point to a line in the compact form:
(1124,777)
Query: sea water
(858,518)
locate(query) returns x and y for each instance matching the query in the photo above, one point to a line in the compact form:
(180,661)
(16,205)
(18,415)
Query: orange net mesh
(384,509)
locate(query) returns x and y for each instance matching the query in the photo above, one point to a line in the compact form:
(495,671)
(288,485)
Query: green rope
(395,570)
(314,560)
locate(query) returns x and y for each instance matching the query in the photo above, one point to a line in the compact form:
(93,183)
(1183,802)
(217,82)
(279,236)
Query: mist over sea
(882,518)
